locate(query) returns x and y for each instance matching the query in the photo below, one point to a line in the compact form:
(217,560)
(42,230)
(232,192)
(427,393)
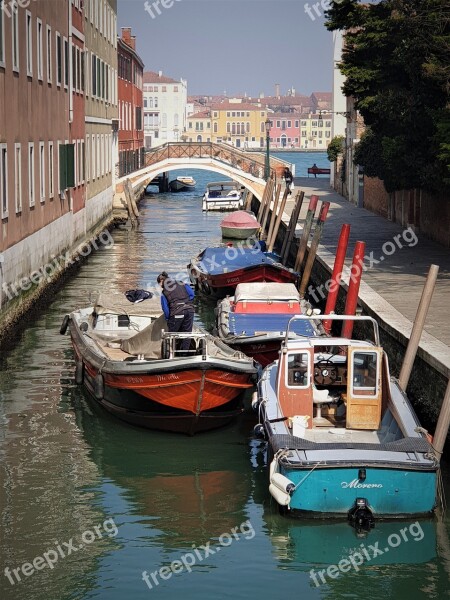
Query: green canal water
(94,502)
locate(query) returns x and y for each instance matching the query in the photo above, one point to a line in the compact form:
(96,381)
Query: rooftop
(153,77)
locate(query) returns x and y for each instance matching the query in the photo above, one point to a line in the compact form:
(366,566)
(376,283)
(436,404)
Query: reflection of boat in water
(182,183)
(185,490)
(134,369)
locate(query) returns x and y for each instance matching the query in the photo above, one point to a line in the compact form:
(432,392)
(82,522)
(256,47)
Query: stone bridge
(247,168)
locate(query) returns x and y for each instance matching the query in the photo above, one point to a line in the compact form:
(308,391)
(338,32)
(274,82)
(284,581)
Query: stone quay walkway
(394,276)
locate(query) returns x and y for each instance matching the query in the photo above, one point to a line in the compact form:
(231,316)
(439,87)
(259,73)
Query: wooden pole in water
(278,221)
(266,208)
(351,301)
(313,249)
(274,212)
(443,423)
(248,202)
(266,214)
(306,231)
(337,274)
(417,328)
(291,227)
(265,195)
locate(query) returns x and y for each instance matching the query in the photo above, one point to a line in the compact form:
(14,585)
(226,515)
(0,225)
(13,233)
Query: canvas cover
(119,305)
(241,219)
(270,291)
(147,341)
(215,260)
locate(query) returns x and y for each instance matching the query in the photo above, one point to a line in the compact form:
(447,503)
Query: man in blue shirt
(178,307)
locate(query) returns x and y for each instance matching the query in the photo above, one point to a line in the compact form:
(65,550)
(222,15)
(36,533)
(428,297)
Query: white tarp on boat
(266,291)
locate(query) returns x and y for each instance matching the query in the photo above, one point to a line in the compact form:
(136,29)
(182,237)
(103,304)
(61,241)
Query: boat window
(123,321)
(298,369)
(365,367)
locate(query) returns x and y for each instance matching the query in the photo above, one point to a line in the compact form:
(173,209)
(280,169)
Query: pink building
(285,130)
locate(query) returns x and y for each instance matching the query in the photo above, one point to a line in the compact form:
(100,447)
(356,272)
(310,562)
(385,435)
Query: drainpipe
(71,66)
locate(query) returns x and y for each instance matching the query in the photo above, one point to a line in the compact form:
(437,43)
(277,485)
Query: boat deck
(323,435)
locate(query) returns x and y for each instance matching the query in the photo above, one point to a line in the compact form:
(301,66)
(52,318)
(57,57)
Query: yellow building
(315,131)
(238,123)
(198,127)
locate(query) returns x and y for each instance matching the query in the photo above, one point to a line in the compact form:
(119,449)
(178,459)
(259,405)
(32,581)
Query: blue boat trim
(248,324)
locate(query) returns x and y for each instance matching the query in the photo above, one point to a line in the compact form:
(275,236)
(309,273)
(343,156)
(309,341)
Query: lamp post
(267,162)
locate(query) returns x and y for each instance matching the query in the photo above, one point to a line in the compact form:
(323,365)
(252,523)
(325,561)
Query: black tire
(64,325)
(79,372)
(99,386)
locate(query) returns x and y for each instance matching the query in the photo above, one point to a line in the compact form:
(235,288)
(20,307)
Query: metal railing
(229,156)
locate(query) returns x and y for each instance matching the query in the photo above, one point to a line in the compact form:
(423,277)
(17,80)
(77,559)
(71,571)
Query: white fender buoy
(255,401)
(282,483)
(99,386)
(283,498)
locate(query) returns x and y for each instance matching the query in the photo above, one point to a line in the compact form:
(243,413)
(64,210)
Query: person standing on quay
(177,304)
(288,178)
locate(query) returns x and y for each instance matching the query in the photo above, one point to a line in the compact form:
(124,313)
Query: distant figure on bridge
(314,167)
(289,178)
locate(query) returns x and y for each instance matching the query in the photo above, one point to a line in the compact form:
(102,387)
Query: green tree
(396,62)
(335,147)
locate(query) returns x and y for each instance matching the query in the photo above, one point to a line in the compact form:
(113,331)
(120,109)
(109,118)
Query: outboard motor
(361,517)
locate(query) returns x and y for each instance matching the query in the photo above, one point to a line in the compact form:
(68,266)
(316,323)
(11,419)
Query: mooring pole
(306,231)
(440,435)
(292,225)
(351,301)
(278,221)
(274,210)
(417,328)
(314,246)
(337,274)
(266,210)
(262,205)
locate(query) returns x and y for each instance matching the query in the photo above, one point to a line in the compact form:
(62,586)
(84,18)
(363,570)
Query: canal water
(89,503)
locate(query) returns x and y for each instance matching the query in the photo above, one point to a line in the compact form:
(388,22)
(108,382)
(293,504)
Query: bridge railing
(220,152)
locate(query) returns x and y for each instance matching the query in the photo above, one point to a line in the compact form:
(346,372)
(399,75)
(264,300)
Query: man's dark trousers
(183,323)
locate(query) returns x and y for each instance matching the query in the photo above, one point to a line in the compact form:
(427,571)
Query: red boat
(255,319)
(239,225)
(217,271)
(134,370)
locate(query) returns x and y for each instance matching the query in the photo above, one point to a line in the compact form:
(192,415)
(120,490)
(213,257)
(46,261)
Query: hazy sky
(235,46)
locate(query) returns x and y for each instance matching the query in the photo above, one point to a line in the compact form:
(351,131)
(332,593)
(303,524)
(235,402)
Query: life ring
(79,372)
(204,287)
(64,325)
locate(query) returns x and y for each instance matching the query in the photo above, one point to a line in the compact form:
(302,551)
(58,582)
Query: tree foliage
(335,147)
(396,61)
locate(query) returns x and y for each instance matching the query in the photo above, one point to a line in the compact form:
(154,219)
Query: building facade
(165,101)
(130,82)
(101,106)
(240,124)
(198,127)
(285,130)
(315,131)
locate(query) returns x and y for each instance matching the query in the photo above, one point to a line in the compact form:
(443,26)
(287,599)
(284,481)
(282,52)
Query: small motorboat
(217,271)
(182,183)
(255,319)
(343,438)
(239,225)
(222,195)
(130,364)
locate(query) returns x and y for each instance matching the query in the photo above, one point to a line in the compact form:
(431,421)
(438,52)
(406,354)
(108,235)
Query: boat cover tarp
(117,304)
(214,260)
(147,341)
(266,291)
(249,324)
(240,219)
(408,444)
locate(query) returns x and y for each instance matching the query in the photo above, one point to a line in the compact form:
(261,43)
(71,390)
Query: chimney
(261,95)
(277,90)
(127,38)
(159,73)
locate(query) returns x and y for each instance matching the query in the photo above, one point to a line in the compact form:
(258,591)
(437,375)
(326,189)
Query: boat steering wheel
(325,372)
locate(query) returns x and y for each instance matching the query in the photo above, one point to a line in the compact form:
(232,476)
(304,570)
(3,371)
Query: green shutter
(70,165)
(62,168)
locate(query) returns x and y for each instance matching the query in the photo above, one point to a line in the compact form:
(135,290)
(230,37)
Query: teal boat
(342,436)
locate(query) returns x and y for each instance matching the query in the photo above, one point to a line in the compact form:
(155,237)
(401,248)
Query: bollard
(337,274)
(353,288)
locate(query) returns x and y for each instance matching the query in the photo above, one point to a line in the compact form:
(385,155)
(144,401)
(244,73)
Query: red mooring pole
(337,274)
(353,287)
